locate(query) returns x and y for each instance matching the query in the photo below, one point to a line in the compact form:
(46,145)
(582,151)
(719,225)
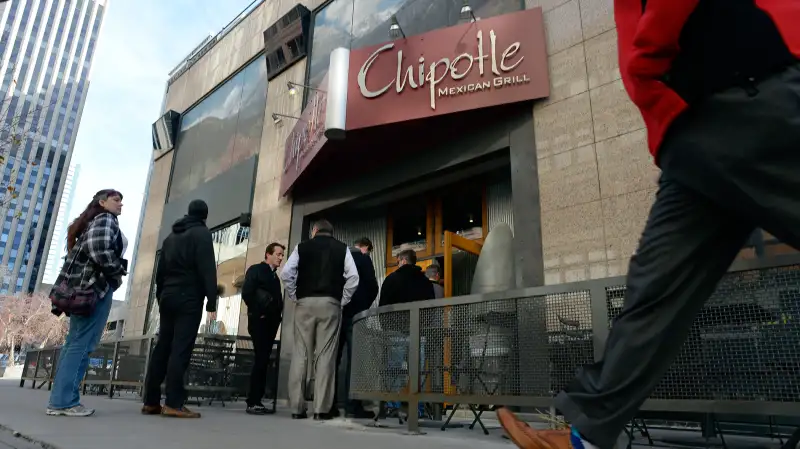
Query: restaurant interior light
(395,32)
(467,15)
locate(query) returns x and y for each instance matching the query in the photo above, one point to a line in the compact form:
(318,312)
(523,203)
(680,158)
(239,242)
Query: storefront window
(230,246)
(222,130)
(360,23)
(462,213)
(409,226)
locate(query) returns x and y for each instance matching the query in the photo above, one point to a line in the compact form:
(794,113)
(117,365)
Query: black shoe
(322,417)
(258,409)
(360,414)
(299,415)
(334,413)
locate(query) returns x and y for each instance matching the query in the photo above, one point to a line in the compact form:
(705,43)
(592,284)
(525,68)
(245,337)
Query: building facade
(46,53)
(58,244)
(510,112)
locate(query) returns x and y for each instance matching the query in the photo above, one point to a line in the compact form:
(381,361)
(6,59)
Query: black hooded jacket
(187,265)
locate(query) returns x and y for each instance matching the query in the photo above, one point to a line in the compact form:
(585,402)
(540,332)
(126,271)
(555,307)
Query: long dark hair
(79,225)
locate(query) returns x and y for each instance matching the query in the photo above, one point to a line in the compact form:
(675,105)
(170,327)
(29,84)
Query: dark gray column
(527,209)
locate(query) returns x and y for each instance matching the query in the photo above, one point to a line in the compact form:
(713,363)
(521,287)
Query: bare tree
(26,320)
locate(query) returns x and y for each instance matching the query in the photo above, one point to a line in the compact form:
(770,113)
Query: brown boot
(151,410)
(526,437)
(182,412)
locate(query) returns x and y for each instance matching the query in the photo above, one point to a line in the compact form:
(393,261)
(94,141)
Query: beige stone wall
(271,215)
(596,177)
(145,258)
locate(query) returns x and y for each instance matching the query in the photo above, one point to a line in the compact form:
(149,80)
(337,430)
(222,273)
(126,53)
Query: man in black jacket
(261,293)
(407,284)
(362,299)
(186,274)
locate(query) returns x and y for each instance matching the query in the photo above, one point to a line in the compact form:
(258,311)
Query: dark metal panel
(527,209)
(228,195)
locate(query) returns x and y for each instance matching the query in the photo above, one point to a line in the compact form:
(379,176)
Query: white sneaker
(78,411)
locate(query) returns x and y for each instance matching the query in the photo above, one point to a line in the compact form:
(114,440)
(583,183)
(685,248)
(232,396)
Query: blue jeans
(83,337)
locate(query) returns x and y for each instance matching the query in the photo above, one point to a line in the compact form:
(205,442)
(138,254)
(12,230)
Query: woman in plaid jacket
(94,262)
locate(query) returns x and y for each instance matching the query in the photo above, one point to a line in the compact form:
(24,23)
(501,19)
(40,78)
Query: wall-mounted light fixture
(292,86)
(467,15)
(278,118)
(395,32)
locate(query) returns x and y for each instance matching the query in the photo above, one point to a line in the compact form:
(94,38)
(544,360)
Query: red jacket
(649,42)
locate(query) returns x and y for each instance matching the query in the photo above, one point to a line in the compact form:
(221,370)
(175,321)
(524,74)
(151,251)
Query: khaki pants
(316,338)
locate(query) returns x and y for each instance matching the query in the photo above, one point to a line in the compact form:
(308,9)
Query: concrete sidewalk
(119,425)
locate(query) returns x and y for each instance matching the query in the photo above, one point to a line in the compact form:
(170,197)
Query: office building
(46,53)
(58,244)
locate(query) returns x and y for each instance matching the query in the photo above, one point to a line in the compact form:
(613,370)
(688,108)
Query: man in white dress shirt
(320,277)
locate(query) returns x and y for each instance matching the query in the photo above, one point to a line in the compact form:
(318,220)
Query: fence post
(600,326)
(413,371)
(149,350)
(36,368)
(113,371)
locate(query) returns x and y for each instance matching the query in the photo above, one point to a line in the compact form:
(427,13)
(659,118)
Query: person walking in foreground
(718,85)
(186,274)
(321,277)
(92,271)
(262,294)
(362,299)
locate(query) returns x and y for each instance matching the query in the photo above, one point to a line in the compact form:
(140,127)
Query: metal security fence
(218,370)
(520,348)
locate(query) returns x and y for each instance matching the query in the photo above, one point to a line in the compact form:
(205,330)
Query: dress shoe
(182,412)
(526,437)
(335,413)
(299,415)
(322,417)
(151,409)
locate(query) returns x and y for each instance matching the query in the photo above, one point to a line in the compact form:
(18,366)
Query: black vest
(320,271)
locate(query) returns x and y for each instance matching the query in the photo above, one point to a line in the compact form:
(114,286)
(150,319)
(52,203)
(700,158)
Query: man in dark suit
(362,299)
(262,294)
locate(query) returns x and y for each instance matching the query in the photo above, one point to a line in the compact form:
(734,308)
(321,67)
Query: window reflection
(366,22)
(222,130)
(230,246)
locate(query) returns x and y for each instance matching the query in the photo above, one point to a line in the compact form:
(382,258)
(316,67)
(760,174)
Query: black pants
(345,339)
(180,319)
(730,164)
(263,332)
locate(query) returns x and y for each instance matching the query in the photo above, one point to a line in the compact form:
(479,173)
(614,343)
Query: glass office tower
(46,52)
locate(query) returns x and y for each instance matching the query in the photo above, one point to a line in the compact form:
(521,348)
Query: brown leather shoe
(526,437)
(182,412)
(151,410)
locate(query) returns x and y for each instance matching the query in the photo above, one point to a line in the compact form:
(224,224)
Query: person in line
(95,246)
(262,294)
(321,277)
(362,299)
(407,283)
(718,85)
(433,275)
(186,275)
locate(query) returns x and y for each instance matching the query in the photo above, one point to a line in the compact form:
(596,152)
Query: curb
(29,441)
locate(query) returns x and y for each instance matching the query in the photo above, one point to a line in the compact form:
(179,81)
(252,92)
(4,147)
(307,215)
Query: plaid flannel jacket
(97,264)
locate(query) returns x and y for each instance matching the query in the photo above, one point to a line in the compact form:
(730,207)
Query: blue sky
(140,42)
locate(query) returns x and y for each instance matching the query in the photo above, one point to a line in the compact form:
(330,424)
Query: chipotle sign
(476,65)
